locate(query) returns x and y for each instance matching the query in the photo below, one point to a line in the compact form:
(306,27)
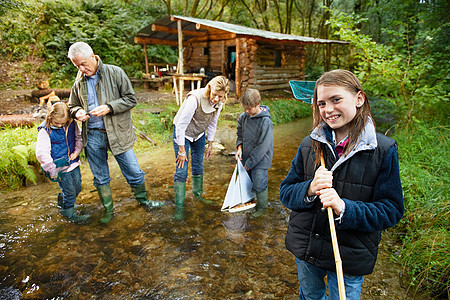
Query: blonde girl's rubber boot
(104,192)
(197,189)
(180,194)
(261,203)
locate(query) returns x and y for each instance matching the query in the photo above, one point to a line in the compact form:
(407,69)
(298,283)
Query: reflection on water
(147,255)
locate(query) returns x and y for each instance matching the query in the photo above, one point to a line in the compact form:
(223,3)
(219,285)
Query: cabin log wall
(195,59)
(268,76)
(257,62)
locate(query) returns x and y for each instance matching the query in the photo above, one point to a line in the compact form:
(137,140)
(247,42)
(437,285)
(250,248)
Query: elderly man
(101,98)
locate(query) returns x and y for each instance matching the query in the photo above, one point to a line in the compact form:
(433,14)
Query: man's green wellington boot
(140,193)
(72,215)
(261,204)
(104,192)
(197,189)
(180,194)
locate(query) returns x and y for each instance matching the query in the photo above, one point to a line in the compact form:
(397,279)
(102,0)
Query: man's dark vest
(308,236)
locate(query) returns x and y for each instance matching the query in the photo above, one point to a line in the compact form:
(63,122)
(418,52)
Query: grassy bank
(424,169)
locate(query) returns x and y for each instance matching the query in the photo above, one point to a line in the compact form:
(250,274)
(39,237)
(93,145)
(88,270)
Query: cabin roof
(164,31)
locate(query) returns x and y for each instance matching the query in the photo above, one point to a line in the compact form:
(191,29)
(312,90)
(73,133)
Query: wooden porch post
(223,58)
(180,68)
(237,73)
(146,58)
(328,66)
(146,84)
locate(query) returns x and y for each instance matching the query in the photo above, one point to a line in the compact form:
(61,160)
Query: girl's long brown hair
(350,82)
(57,110)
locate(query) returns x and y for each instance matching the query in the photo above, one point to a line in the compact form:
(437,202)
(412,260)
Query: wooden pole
(238,69)
(146,84)
(223,57)
(180,60)
(337,256)
(146,58)
(175,87)
(180,48)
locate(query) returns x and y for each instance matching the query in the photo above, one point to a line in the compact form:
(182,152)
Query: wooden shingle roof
(164,31)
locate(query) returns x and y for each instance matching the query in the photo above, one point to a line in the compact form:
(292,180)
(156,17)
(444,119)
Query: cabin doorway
(231,63)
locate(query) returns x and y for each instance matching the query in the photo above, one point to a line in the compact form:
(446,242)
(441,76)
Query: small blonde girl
(57,149)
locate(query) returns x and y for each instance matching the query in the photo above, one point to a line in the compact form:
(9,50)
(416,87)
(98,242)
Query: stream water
(147,255)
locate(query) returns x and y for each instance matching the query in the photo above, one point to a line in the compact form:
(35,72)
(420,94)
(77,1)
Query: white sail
(246,184)
(239,190)
(229,202)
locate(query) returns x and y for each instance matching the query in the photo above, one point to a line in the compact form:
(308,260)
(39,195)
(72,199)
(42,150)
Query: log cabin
(251,57)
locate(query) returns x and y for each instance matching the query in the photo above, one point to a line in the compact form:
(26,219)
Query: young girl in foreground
(361,183)
(57,149)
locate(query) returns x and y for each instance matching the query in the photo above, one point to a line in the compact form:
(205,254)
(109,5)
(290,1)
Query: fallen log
(61,93)
(18,120)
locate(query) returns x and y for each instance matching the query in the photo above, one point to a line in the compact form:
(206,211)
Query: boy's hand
(323,179)
(330,198)
(73,156)
(238,154)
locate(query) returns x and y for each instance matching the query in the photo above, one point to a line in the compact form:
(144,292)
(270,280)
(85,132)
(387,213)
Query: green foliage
(108,26)
(424,169)
(287,110)
(16,155)
(17,36)
(399,73)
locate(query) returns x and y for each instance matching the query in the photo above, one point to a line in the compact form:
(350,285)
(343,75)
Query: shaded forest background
(398,48)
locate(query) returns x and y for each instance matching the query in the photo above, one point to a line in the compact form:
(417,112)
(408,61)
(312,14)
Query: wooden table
(178,84)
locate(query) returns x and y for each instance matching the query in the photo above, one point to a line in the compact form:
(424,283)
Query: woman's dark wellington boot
(261,204)
(140,193)
(197,189)
(104,192)
(180,194)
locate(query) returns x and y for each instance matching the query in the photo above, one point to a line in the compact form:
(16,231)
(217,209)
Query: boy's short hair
(251,98)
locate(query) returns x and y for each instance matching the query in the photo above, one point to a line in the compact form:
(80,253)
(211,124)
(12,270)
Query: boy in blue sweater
(255,145)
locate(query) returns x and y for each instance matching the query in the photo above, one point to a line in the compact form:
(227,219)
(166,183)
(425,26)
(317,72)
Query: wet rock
(10,294)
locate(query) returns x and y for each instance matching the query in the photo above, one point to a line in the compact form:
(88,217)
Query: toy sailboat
(239,194)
